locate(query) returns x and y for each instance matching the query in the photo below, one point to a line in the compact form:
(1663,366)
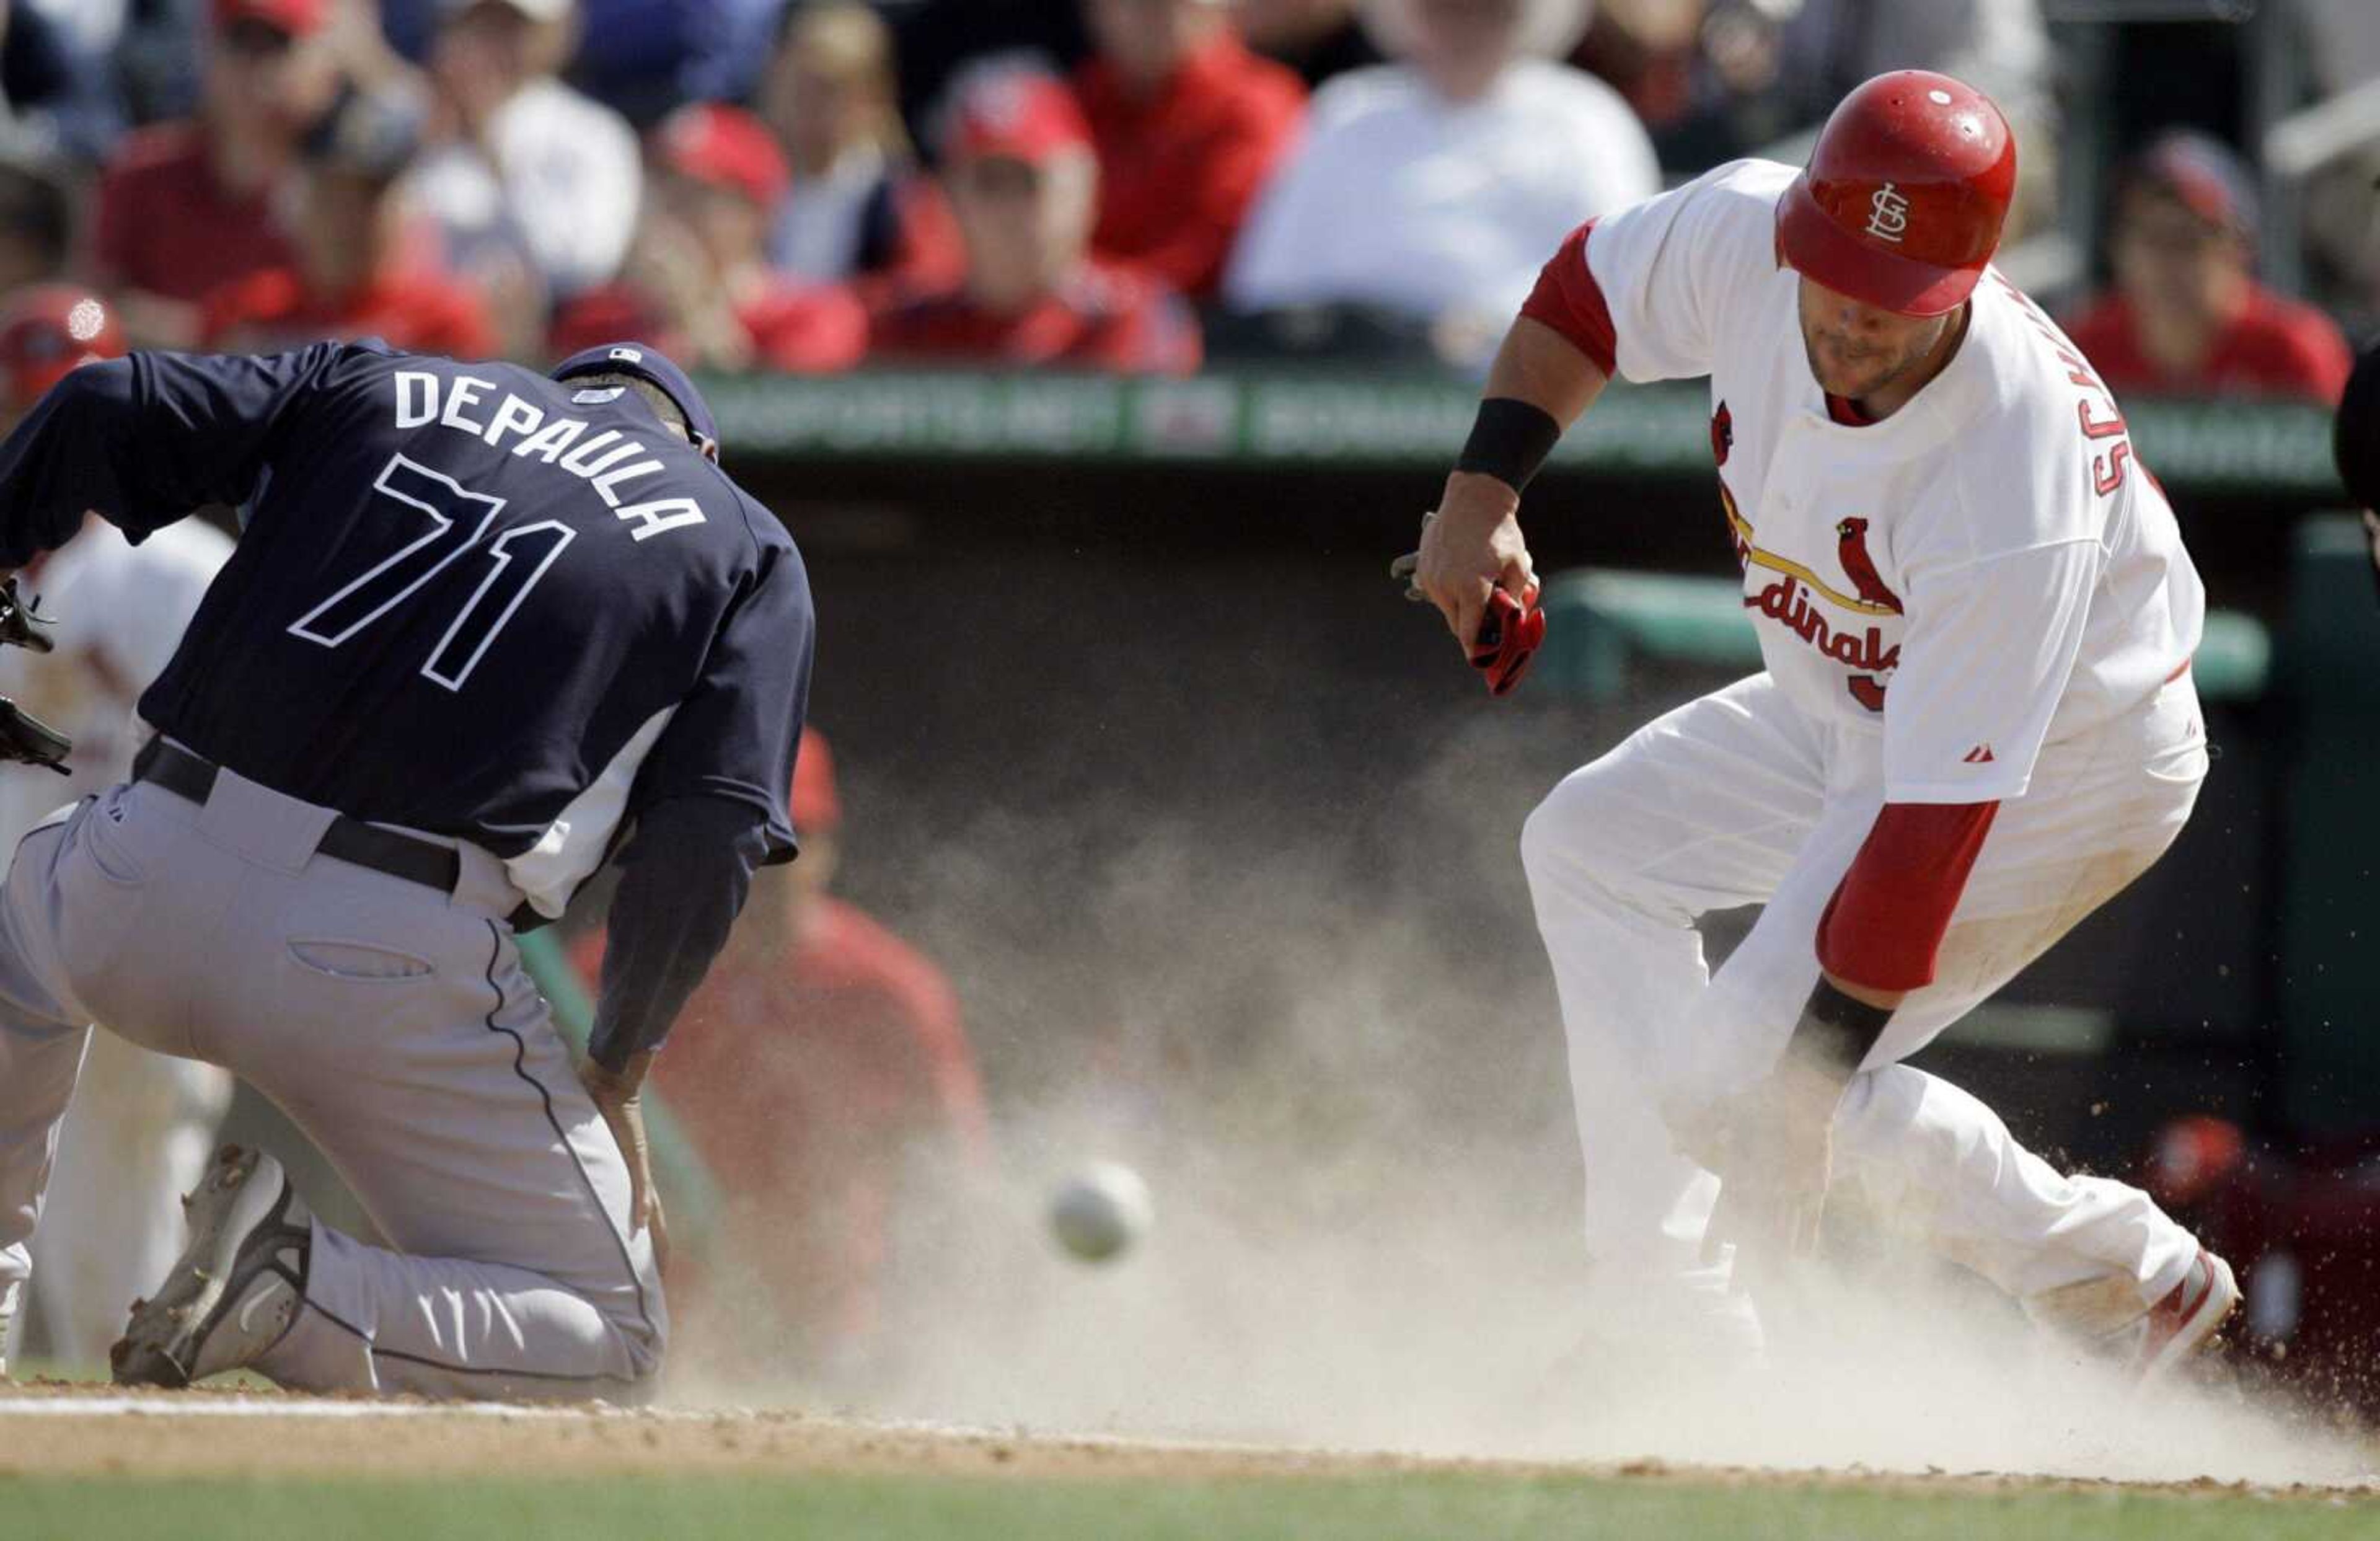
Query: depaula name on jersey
(606,461)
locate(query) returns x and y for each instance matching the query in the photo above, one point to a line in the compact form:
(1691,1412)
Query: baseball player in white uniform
(1975,724)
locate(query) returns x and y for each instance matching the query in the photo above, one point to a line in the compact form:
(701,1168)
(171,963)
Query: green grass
(1440,1508)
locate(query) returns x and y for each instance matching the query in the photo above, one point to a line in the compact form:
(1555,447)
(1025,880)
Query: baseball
(1100,1211)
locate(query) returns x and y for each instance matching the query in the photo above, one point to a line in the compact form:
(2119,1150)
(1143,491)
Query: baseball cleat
(2182,1323)
(235,1288)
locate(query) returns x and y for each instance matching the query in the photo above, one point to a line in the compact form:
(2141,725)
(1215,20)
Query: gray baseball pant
(395,1025)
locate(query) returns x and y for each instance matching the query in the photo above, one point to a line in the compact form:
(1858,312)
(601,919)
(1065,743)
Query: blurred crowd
(1127,184)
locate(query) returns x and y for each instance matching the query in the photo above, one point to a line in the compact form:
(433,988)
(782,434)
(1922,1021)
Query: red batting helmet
(1902,201)
(47,330)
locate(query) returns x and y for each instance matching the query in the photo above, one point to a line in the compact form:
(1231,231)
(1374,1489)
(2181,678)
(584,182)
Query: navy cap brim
(653,367)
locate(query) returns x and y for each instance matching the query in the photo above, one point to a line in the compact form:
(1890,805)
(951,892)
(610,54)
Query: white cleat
(236,1287)
(2187,1318)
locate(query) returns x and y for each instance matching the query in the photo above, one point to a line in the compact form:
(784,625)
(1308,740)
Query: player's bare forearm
(1538,365)
(1538,385)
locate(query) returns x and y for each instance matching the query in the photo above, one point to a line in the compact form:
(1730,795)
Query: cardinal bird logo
(1861,571)
(1722,434)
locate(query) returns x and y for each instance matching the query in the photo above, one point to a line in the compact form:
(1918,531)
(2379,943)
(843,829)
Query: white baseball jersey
(1986,571)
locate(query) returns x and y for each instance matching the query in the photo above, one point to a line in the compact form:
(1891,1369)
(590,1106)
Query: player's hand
(1772,1149)
(618,1096)
(1472,548)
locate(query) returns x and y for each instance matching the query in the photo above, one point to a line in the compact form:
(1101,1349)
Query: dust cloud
(1330,1045)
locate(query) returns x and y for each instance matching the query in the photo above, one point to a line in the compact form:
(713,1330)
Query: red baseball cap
(815,808)
(1018,115)
(725,147)
(299,18)
(48,331)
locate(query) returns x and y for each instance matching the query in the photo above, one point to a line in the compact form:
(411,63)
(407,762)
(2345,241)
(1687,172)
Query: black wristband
(1835,1032)
(1510,440)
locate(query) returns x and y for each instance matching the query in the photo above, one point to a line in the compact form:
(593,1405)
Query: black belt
(349,840)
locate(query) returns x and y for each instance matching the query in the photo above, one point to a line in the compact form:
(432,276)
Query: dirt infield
(54,1431)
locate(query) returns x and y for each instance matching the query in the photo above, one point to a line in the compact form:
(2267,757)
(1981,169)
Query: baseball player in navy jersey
(481,625)
(1975,724)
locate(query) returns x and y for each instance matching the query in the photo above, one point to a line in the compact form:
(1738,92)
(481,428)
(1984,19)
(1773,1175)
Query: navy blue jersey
(468,600)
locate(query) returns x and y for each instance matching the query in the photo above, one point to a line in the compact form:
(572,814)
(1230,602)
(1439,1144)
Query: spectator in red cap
(185,207)
(701,269)
(1187,124)
(856,204)
(1018,165)
(2187,316)
(829,1086)
(353,272)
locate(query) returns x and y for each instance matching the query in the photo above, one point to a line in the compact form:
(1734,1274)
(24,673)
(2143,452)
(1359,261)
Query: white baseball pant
(1739,799)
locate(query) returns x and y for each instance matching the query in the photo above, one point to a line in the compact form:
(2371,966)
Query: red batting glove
(1510,634)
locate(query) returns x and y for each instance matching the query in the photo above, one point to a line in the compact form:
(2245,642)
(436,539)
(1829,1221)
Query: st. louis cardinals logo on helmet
(1887,217)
